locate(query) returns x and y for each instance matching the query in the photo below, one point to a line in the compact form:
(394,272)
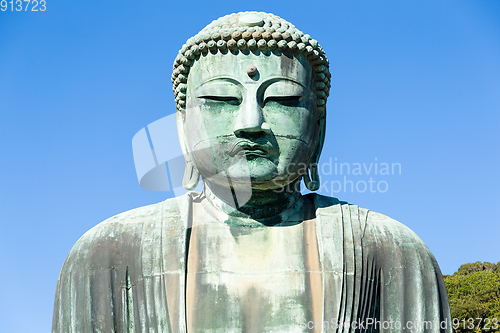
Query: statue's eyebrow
(270,80)
(219,79)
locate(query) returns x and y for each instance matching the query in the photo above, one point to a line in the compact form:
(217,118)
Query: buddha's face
(261,127)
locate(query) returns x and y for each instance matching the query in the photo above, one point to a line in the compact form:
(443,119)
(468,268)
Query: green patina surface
(250,253)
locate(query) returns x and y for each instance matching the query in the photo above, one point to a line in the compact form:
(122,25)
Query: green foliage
(474,292)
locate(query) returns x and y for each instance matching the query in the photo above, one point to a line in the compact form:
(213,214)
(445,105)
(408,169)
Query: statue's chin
(252,170)
(254,173)
(240,187)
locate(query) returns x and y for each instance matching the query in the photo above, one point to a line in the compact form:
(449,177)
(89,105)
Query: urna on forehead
(258,70)
(251,32)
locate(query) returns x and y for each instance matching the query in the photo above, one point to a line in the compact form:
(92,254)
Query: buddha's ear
(180,118)
(313,182)
(191,174)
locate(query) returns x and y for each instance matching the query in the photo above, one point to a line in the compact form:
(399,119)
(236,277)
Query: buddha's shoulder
(131,226)
(382,238)
(373,226)
(121,240)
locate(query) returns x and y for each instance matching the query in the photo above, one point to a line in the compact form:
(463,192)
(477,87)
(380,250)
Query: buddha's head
(251,91)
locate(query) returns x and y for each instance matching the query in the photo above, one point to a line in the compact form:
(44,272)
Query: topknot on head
(254,31)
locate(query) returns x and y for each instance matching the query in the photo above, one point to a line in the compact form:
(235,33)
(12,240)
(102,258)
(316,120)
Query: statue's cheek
(298,121)
(294,156)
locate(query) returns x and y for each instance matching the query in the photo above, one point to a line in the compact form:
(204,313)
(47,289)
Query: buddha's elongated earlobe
(191,176)
(312,182)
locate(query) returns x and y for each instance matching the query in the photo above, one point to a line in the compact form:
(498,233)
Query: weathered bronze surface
(250,253)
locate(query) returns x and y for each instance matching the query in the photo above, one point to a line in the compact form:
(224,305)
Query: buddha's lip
(252,148)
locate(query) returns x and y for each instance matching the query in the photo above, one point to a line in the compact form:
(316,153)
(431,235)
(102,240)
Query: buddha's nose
(250,122)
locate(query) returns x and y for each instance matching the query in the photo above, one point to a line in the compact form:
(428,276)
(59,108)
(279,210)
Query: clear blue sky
(413,82)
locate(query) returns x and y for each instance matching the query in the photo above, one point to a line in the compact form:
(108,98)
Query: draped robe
(364,272)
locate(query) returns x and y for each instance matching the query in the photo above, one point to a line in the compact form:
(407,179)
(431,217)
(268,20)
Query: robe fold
(128,274)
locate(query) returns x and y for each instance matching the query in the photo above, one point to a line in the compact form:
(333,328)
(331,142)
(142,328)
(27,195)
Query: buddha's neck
(265,207)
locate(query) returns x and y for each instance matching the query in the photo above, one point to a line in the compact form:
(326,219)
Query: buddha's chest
(251,280)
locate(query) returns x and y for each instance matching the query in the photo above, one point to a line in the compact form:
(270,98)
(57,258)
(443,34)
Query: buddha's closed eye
(283,100)
(232,100)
